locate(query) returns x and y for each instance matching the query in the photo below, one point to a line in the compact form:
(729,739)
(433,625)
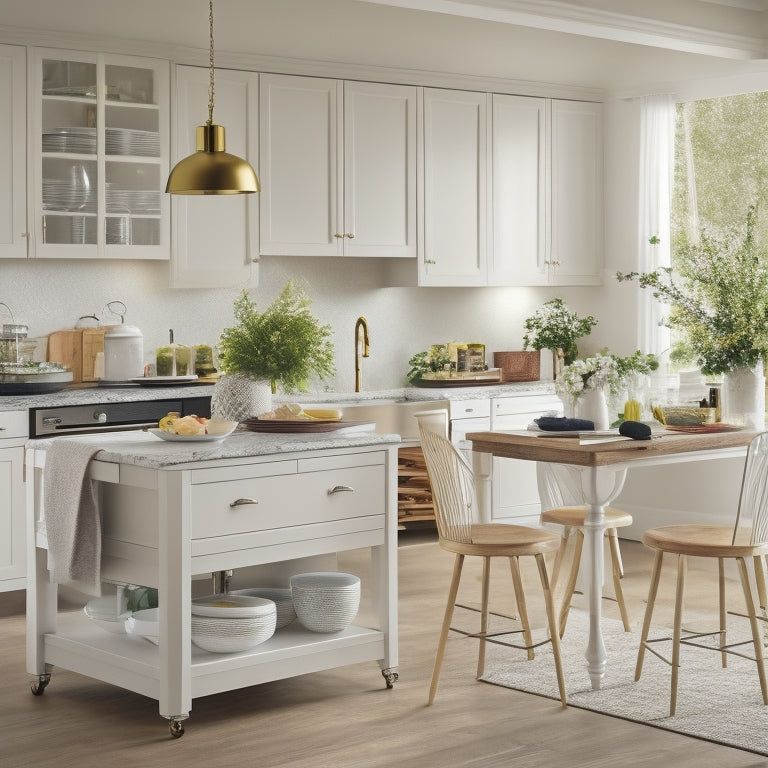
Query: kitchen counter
(88,395)
(143,449)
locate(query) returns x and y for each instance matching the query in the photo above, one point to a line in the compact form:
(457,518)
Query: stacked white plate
(129,141)
(62,195)
(79,140)
(232,623)
(325,602)
(133,200)
(281,597)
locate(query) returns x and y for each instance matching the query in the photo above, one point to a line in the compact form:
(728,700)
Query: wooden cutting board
(77,349)
(66,347)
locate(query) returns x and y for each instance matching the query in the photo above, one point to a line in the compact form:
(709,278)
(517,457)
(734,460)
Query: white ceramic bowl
(325,602)
(231,606)
(281,597)
(144,623)
(102,611)
(232,635)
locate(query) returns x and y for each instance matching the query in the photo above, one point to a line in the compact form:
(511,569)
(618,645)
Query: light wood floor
(345,717)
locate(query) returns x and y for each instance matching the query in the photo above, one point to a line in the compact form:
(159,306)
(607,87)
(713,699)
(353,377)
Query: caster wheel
(38,687)
(177,728)
(390,678)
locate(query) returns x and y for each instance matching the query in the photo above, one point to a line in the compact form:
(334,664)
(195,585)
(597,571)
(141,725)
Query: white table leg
(600,486)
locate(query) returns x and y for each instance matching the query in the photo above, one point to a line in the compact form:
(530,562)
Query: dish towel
(72,520)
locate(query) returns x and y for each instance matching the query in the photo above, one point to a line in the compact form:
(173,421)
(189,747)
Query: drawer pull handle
(340,489)
(242,502)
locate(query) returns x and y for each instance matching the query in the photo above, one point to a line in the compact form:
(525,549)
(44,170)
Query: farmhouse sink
(392,417)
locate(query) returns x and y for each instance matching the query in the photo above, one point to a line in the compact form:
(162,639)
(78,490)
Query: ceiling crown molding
(564,17)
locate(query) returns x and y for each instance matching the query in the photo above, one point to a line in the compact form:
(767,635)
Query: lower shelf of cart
(134,663)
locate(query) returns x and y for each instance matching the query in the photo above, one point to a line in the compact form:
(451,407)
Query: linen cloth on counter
(72,518)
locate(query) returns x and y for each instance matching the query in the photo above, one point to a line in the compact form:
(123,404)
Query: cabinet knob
(350,235)
(242,503)
(340,489)
(556,263)
(430,261)
(338,235)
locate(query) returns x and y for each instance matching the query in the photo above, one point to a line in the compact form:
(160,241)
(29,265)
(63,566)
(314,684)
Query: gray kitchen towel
(72,520)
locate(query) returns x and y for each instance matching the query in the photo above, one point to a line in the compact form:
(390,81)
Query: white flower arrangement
(600,371)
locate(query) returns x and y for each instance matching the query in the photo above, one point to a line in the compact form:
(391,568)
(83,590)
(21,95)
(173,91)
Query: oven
(57,420)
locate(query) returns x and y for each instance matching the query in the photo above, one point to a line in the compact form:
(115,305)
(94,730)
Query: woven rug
(715,704)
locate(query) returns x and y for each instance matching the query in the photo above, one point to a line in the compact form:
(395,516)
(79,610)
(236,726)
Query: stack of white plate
(61,195)
(232,623)
(325,602)
(104,613)
(133,200)
(79,140)
(281,597)
(129,141)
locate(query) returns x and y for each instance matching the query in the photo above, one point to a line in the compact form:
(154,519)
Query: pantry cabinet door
(518,183)
(215,236)
(454,188)
(576,251)
(298,163)
(379,170)
(13,185)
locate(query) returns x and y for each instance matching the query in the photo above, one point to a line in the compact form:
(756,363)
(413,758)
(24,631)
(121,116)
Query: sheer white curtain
(657,141)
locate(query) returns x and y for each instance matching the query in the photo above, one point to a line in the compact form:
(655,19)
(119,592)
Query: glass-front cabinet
(99,156)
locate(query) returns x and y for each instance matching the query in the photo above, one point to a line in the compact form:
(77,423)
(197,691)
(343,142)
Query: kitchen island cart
(171,511)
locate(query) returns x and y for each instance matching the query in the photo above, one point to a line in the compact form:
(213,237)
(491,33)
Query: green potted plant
(284,345)
(554,326)
(718,300)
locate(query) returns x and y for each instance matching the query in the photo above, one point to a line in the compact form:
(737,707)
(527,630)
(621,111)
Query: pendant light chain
(211,88)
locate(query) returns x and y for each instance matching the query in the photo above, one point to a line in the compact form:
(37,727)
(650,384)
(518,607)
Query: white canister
(123,353)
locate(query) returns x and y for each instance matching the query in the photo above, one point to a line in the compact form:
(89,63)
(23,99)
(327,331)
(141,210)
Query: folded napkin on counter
(563,424)
(72,521)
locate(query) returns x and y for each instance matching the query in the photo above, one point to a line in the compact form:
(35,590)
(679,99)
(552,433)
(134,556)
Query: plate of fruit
(177,428)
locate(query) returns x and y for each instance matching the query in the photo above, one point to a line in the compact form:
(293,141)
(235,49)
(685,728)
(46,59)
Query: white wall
(50,295)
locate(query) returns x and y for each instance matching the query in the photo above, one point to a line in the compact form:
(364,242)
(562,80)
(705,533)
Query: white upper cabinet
(215,237)
(454,207)
(379,170)
(98,141)
(338,167)
(13,184)
(576,246)
(546,215)
(518,190)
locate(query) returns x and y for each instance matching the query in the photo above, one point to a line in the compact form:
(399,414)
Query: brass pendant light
(211,170)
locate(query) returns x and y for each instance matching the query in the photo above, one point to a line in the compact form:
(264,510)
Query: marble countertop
(95,395)
(143,449)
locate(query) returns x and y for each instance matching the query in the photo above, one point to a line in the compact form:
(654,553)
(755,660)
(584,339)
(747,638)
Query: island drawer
(265,503)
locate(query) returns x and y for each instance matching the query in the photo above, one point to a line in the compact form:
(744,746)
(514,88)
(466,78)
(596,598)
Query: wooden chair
(453,490)
(561,503)
(722,542)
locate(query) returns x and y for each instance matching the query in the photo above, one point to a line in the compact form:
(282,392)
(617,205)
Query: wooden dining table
(604,466)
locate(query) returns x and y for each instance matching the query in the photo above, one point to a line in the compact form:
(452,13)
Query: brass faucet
(365,348)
